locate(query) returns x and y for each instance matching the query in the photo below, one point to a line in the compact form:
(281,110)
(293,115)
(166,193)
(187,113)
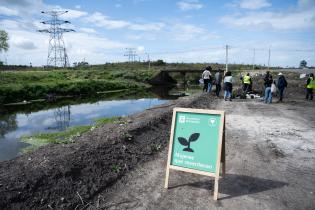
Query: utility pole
(226,57)
(57,55)
(269,59)
(148,59)
(254,60)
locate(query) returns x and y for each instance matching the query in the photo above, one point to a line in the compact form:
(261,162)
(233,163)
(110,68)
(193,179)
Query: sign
(197,143)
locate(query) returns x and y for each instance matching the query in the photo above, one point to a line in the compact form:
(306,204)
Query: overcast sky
(172,30)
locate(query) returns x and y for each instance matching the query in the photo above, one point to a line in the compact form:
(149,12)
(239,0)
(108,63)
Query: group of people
(208,82)
(270,84)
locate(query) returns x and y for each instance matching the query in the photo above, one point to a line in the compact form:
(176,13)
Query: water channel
(41,117)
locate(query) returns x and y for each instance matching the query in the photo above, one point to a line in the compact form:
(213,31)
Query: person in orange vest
(310,86)
(247,81)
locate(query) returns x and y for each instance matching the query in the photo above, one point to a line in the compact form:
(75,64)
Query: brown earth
(270,163)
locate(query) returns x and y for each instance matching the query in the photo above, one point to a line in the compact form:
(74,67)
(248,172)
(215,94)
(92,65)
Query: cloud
(24,8)
(133,37)
(254,4)
(87,30)
(306,4)
(268,20)
(140,49)
(147,27)
(7,11)
(187,32)
(74,14)
(186,5)
(23,43)
(78,6)
(101,20)
(118,5)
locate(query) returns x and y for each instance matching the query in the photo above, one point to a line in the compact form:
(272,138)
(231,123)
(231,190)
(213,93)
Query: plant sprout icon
(184,142)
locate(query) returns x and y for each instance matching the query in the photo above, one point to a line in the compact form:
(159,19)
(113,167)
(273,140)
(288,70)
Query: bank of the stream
(55,175)
(36,83)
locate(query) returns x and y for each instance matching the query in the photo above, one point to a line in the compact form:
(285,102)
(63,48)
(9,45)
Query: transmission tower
(131,54)
(57,53)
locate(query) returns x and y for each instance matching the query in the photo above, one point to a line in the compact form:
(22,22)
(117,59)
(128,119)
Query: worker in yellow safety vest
(310,85)
(247,83)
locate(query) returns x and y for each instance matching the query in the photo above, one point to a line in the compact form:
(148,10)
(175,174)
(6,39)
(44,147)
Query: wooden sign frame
(221,149)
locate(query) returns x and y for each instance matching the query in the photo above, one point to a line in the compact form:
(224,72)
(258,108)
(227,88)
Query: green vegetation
(106,120)
(115,168)
(63,137)
(33,83)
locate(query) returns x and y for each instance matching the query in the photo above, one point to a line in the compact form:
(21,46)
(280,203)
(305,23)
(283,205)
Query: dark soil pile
(61,176)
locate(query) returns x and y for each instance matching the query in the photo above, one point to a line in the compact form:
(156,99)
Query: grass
(35,83)
(63,137)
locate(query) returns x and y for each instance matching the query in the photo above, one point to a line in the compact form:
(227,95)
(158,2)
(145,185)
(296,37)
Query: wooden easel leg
(223,169)
(167,177)
(216,188)
(223,153)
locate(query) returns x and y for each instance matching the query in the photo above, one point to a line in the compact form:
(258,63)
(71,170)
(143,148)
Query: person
(267,78)
(247,80)
(268,82)
(228,86)
(310,86)
(217,82)
(210,84)
(206,78)
(281,84)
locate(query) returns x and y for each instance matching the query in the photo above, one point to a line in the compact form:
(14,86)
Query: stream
(43,117)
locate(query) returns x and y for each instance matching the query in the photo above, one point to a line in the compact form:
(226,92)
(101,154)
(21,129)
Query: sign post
(197,143)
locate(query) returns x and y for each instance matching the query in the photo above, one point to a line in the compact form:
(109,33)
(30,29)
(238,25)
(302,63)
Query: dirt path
(270,165)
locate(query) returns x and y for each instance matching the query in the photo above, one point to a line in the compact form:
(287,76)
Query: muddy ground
(270,163)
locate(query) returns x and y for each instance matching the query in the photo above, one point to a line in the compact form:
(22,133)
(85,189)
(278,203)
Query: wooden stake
(216,188)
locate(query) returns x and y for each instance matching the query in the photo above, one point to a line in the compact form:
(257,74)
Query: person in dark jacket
(310,85)
(268,81)
(217,81)
(281,84)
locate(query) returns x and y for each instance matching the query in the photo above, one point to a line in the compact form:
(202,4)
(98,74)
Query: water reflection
(14,125)
(62,117)
(16,121)
(7,124)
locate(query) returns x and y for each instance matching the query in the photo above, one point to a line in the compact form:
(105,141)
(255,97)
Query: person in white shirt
(228,86)
(206,76)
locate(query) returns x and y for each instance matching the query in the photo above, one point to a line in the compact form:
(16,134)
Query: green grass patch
(63,137)
(102,121)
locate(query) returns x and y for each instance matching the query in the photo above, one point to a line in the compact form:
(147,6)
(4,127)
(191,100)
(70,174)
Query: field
(35,83)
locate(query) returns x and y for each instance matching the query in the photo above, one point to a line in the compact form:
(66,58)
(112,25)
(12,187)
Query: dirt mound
(59,176)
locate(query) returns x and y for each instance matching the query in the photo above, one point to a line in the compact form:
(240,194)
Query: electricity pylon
(131,54)
(57,53)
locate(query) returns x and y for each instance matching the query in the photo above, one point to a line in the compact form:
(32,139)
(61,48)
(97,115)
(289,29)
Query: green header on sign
(195,141)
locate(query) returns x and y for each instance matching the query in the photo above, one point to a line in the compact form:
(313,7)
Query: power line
(57,53)
(131,54)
